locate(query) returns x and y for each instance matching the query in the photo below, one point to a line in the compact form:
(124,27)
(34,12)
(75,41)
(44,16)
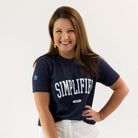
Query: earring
(55,46)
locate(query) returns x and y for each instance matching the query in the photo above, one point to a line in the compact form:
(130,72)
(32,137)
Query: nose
(65,36)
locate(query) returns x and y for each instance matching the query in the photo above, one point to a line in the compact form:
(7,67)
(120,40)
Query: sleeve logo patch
(35,77)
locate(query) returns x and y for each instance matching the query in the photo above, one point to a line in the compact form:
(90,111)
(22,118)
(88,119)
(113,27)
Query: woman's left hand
(90,114)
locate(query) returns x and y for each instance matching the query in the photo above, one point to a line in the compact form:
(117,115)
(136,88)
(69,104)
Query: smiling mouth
(65,43)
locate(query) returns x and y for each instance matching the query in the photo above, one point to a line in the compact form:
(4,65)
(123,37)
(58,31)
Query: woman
(64,81)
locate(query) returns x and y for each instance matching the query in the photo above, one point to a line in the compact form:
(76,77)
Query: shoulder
(45,59)
(102,62)
(105,66)
(46,62)
(95,58)
(106,74)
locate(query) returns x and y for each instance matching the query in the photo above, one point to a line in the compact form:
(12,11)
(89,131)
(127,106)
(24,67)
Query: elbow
(122,91)
(127,90)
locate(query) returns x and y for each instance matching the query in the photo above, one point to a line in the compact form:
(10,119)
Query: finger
(86,112)
(89,109)
(89,118)
(87,106)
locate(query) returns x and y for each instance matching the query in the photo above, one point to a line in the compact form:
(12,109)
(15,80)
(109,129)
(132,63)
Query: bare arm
(42,100)
(120,91)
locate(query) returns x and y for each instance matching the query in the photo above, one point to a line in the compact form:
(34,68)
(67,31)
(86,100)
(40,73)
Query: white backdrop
(112,28)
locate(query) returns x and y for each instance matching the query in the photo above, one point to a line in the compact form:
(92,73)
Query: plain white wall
(112,28)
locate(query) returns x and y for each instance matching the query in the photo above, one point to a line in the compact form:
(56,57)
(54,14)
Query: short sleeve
(41,76)
(107,75)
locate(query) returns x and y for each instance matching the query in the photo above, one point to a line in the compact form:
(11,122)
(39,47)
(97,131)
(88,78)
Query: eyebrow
(67,28)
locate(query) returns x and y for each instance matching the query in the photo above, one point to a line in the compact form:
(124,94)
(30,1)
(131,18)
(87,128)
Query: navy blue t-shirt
(69,89)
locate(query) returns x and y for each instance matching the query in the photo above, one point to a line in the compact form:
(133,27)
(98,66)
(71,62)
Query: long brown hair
(87,58)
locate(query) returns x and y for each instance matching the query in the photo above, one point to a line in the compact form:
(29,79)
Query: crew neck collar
(65,59)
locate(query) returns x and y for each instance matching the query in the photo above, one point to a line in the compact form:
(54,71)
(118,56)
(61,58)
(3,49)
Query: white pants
(72,129)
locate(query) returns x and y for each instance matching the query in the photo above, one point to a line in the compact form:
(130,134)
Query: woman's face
(64,37)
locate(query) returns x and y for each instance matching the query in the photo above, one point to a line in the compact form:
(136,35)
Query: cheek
(74,37)
(56,37)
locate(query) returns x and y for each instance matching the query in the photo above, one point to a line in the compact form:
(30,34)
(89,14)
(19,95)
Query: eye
(70,30)
(58,31)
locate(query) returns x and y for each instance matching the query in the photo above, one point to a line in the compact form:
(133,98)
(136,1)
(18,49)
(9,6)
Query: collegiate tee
(69,89)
